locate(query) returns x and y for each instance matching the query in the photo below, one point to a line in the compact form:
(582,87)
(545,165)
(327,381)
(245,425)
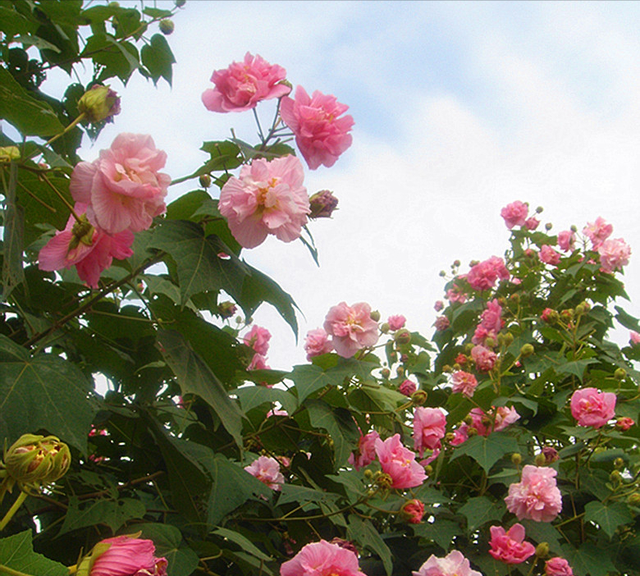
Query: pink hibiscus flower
(322,559)
(126,556)
(366,450)
(428,428)
(267,470)
(515,214)
(614,255)
(510,547)
(351,327)
(453,564)
(536,496)
(483,276)
(317,343)
(591,407)
(399,463)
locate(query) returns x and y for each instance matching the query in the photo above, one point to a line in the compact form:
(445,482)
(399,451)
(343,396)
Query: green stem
(6,570)
(71,126)
(14,508)
(61,196)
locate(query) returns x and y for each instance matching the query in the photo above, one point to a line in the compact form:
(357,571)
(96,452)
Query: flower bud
(402,336)
(618,463)
(99,103)
(368,473)
(412,511)
(385,373)
(456,263)
(539,210)
(419,397)
(227,309)
(550,454)
(580,309)
(527,350)
(384,328)
(540,460)
(550,316)
(516,458)
(8,153)
(166,26)
(428,469)
(615,477)
(205,180)
(375,315)
(322,204)
(573,228)
(180,3)
(489,342)
(384,481)
(620,374)
(400,371)
(35,459)
(634,499)
(548,226)
(624,423)
(447,369)
(542,550)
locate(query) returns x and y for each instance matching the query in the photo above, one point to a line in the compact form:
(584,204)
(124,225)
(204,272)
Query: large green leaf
(608,516)
(43,392)
(253,396)
(310,378)
(589,560)
(365,534)
(112,512)
(480,510)
(182,560)
(340,425)
(13,237)
(487,451)
(16,553)
(158,58)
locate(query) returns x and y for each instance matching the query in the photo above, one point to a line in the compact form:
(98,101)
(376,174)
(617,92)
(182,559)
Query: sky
(460,108)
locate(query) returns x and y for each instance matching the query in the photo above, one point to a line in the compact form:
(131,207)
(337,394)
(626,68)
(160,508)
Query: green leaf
(13,237)
(576,367)
(543,532)
(302,494)
(481,510)
(310,378)
(252,396)
(243,542)
(339,424)
(194,376)
(487,451)
(16,553)
(608,516)
(589,560)
(113,513)
(441,531)
(627,320)
(44,392)
(158,58)
(365,534)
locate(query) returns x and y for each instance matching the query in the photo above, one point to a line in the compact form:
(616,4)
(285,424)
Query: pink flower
(396,322)
(412,511)
(590,407)
(439,305)
(267,198)
(515,214)
(460,435)
(491,318)
(494,420)
(89,249)
(441,323)
(399,463)
(408,387)
(597,231)
(241,86)
(126,556)
(428,428)
(624,423)
(321,135)
(123,188)
(557,567)
(483,276)
(258,362)
(317,343)
(510,547)
(566,240)
(634,337)
(549,256)
(455,294)
(549,315)
(484,358)
(351,327)
(267,470)
(258,339)
(614,255)
(366,450)
(536,496)
(322,559)
(463,383)
(532,223)
(453,564)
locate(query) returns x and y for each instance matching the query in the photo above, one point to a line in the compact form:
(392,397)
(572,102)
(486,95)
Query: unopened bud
(540,460)
(580,309)
(516,458)
(412,511)
(384,327)
(634,499)
(419,397)
(442,273)
(34,459)
(539,210)
(374,315)
(573,228)
(322,204)
(456,263)
(166,26)
(472,431)
(180,3)
(618,463)
(447,369)
(428,469)
(620,374)
(368,473)
(507,338)
(400,371)
(8,153)
(402,336)
(489,342)
(548,226)
(205,180)
(527,350)
(615,477)
(99,103)
(384,481)
(542,550)
(227,309)
(385,373)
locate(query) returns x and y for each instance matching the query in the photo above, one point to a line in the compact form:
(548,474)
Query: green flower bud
(516,458)
(489,342)
(615,477)
(205,180)
(402,337)
(375,315)
(541,460)
(507,338)
(166,26)
(400,371)
(419,397)
(180,3)
(385,373)
(542,550)
(368,473)
(539,210)
(99,103)
(548,226)
(620,374)
(634,499)
(527,350)
(618,463)
(384,328)
(35,459)
(8,153)
(447,369)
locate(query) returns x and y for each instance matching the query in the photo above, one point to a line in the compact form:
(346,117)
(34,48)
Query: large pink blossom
(267,198)
(89,249)
(597,231)
(366,450)
(126,556)
(484,275)
(317,343)
(536,496)
(557,567)
(566,240)
(453,564)
(351,327)
(321,133)
(549,255)
(484,358)
(399,463)
(243,84)
(614,255)
(463,383)
(515,214)
(124,188)
(396,322)
(322,559)
(510,547)
(267,470)
(591,407)
(491,323)
(258,339)
(428,428)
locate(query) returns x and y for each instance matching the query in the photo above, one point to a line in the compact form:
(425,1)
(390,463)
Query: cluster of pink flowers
(116,195)
(322,559)
(591,407)
(399,463)
(484,275)
(258,340)
(267,470)
(510,547)
(491,323)
(453,564)
(351,328)
(428,428)
(536,496)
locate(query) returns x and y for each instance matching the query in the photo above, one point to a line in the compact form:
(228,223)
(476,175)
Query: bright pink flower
(509,547)
(258,362)
(258,339)
(515,214)
(317,343)
(463,383)
(267,470)
(322,559)
(241,86)
(453,564)
(566,240)
(557,567)
(549,255)
(460,435)
(456,294)
(624,423)
(549,315)
(399,463)
(321,135)
(441,323)
(536,496)
(428,428)
(123,188)
(89,249)
(351,327)
(396,322)
(483,276)
(532,223)
(614,255)
(366,450)
(408,387)
(267,198)
(412,511)
(491,318)
(127,556)
(484,358)
(597,231)
(590,407)
(634,337)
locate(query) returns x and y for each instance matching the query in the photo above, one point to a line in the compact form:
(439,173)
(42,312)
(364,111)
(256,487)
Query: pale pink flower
(614,255)
(317,343)
(557,567)
(396,322)
(484,275)
(484,358)
(127,556)
(510,547)
(591,407)
(536,496)
(566,240)
(89,249)
(453,564)
(267,470)
(258,339)
(258,362)
(412,511)
(399,463)
(549,255)
(597,231)
(463,383)
(439,305)
(460,435)
(243,84)
(321,133)
(491,318)
(532,223)
(366,450)
(456,294)
(428,428)
(515,214)
(408,387)
(634,337)
(441,323)
(351,328)
(123,188)
(267,198)
(322,559)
